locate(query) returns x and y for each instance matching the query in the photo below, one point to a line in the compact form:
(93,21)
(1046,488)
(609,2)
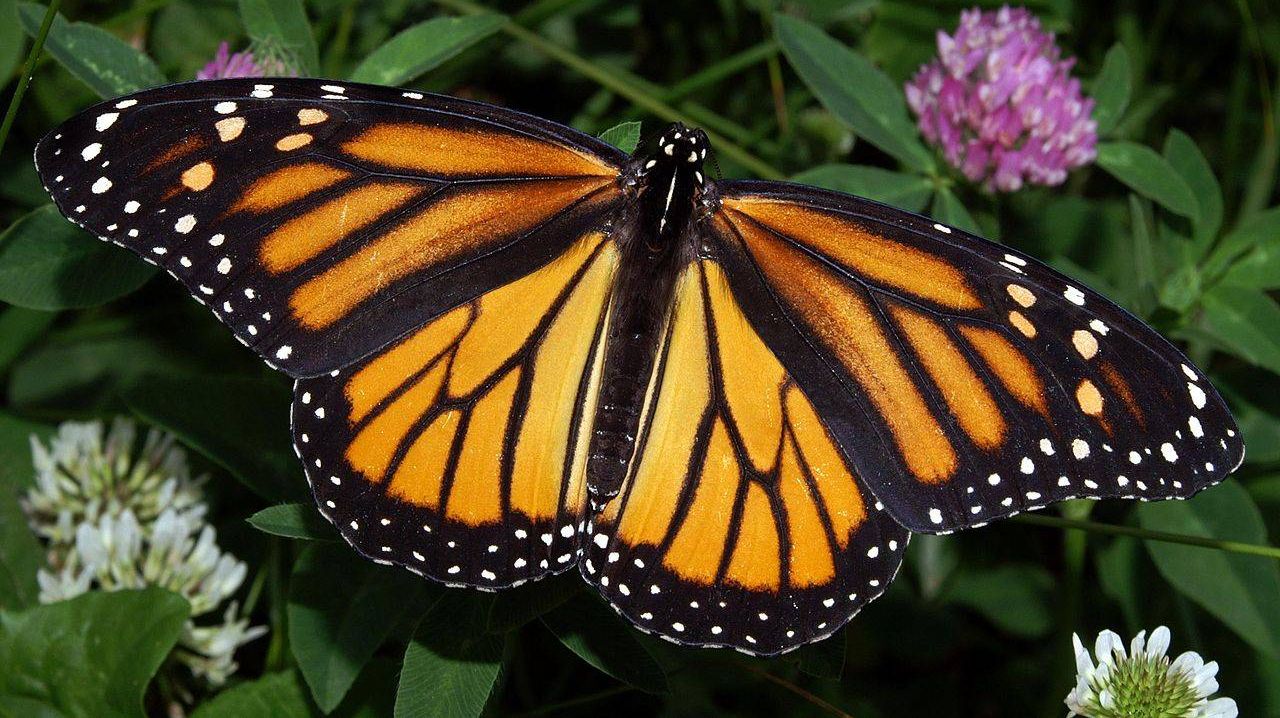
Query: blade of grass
(806,695)
(28,67)
(1118,530)
(615,82)
(721,70)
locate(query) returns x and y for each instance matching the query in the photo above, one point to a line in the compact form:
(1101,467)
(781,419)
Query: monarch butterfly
(518,350)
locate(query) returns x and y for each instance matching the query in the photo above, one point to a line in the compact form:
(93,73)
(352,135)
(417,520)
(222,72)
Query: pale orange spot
(229,128)
(476,495)
(1085,342)
(292,142)
(311,116)
(1021,295)
(198,177)
(1088,398)
(1022,324)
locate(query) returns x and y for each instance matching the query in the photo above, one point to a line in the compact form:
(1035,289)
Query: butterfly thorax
(665,185)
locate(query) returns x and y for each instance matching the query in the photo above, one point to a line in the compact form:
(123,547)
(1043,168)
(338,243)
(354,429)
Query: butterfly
(519,351)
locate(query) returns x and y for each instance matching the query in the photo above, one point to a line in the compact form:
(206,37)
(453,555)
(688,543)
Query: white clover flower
(1143,681)
(114,521)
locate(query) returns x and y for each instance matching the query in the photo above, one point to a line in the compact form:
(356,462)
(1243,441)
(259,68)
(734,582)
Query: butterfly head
(683,147)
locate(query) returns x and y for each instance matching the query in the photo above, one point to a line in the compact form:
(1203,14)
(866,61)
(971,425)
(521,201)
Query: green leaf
(341,608)
(19,329)
(279,695)
(1187,160)
(900,189)
(853,89)
(933,559)
(1258,232)
(1180,288)
(1118,576)
(92,655)
(299,521)
(240,424)
(1144,171)
(1111,89)
(283,24)
(1015,598)
(452,664)
(423,47)
(947,209)
(11,45)
(586,626)
(1244,321)
(20,552)
(47,263)
(1239,590)
(824,659)
(515,607)
(1261,432)
(625,136)
(108,65)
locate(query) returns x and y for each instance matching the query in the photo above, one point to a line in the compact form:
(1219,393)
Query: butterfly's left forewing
(739,524)
(964,381)
(322,221)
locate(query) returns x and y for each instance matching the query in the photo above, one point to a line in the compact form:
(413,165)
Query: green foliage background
(1174,221)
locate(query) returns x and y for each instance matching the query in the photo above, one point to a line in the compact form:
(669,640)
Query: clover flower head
(1000,102)
(1142,682)
(225,64)
(116,520)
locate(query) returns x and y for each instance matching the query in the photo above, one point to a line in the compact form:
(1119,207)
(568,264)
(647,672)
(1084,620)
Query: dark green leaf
(592,630)
(19,550)
(824,659)
(1180,288)
(452,663)
(933,558)
(1239,590)
(48,263)
(108,65)
(11,45)
(853,89)
(1258,230)
(900,189)
(279,695)
(1144,171)
(240,424)
(92,655)
(1118,575)
(1111,89)
(947,209)
(283,24)
(1244,321)
(625,136)
(1258,265)
(424,46)
(341,608)
(19,328)
(1185,158)
(300,521)
(515,607)
(1015,598)
(1261,433)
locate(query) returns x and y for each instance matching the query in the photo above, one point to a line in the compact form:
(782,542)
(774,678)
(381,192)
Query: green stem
(806,695)
(721,70)
(1118,530)
(556,708)
(27,68)
(613,82)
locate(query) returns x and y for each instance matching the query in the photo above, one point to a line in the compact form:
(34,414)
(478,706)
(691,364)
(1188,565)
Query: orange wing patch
(430,417)
(767,483)
(454,152)
(839,315)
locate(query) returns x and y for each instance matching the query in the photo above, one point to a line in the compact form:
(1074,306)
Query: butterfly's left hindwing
(964,381)
(322,221)
(739,523)
(459,452)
